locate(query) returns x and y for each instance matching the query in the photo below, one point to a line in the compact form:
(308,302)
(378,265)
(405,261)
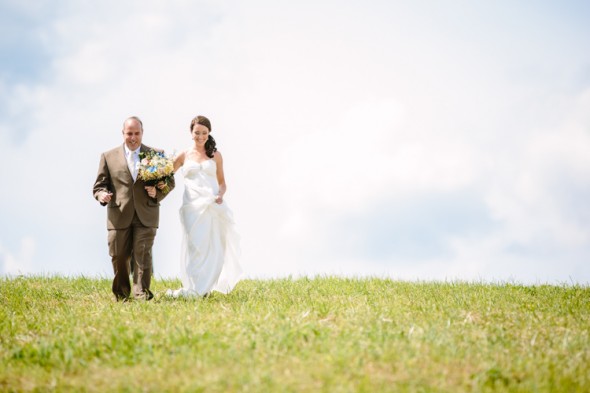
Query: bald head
(132,132)
(134,119)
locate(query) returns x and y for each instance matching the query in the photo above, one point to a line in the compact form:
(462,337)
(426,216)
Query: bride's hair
(210,145)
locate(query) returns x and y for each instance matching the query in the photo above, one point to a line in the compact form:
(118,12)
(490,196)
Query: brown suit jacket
(128,197)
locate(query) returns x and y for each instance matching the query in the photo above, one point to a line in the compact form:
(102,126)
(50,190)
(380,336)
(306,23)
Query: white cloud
(326,114)
(21,261)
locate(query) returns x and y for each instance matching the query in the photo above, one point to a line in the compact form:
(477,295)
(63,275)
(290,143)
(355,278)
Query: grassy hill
(295,335)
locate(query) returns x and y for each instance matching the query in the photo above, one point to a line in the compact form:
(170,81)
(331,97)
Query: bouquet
(155,167)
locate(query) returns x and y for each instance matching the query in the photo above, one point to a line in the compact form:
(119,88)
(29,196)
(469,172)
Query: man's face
(132,134)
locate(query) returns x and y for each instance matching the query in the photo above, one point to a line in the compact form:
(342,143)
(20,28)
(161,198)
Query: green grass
(295,335)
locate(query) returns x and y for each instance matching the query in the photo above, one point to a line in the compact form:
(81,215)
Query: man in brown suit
(133,212)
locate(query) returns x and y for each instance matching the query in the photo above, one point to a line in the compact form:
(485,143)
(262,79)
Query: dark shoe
(121,298)
(145,295)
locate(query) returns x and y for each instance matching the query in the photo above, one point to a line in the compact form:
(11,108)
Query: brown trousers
(135,241)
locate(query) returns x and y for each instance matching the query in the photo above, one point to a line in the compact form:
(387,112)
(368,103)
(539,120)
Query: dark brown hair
(210,145)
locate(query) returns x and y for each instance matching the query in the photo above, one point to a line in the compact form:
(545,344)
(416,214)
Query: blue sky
(411,140)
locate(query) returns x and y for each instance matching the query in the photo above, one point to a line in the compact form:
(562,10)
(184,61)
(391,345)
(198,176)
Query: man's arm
(160,195)
(102,185)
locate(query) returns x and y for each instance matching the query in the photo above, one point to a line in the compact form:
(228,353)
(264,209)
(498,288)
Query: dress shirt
(132,157)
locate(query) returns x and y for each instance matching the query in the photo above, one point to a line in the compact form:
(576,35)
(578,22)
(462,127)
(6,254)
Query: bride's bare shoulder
(179,159)
(180,156)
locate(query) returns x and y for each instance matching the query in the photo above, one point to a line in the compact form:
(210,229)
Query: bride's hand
(218,199)
(161,185)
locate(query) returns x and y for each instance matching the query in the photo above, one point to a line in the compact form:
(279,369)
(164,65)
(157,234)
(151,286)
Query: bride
(210,243)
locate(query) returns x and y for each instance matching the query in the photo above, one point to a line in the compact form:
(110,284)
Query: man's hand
(151,191)
(104,196)
(161,185)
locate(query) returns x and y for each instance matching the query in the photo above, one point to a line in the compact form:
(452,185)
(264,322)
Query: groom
(133,211)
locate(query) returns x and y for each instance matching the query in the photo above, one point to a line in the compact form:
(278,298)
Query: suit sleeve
(171,184)
(103,179)
(160,195)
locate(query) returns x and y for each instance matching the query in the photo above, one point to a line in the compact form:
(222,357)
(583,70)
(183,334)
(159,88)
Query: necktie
(131,164)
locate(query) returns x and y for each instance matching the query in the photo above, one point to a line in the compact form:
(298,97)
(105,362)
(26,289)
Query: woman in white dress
(210,243)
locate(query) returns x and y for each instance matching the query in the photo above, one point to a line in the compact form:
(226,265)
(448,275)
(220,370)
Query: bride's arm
(220,177)
(179,161)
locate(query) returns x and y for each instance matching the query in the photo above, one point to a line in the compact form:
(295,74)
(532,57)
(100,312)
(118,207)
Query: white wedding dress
(210,243)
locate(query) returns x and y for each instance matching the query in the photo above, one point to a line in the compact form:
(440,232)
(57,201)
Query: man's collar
(127,151)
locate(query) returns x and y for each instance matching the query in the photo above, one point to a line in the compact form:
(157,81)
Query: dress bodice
(192,168)
(200,180)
